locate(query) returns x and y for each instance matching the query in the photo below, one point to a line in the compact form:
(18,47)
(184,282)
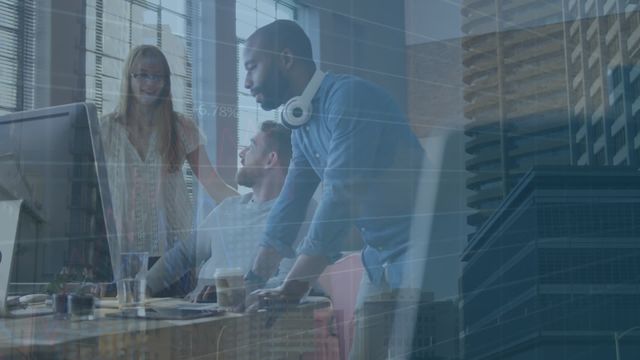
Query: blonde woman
(146,143)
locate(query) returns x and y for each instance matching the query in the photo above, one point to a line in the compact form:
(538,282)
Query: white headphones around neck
(297,110)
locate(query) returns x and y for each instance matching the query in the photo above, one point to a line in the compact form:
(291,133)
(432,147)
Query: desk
(232,336)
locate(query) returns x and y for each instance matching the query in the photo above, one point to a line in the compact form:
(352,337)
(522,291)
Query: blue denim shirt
(359,144)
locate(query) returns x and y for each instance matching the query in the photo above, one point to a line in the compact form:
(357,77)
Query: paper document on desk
(198,306)
(161,303)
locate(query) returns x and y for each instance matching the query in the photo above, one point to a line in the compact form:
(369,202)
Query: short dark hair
(279,139)
(285,34)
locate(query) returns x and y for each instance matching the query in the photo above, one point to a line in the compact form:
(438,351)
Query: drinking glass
(133,279)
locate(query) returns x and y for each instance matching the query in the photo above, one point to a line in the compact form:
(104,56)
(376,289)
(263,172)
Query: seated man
(229,235)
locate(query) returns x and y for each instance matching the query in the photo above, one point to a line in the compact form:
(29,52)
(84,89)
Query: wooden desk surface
(231,336)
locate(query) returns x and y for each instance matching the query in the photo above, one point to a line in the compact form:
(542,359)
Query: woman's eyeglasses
(147,77)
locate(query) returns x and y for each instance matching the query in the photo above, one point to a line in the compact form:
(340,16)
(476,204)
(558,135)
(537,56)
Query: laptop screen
(48,160)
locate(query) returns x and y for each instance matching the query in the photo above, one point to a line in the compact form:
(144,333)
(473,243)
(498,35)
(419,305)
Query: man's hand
(275,301)
(288,293)
(207,295)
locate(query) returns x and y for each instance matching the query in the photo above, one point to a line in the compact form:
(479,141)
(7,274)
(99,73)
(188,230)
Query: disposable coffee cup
(229,287)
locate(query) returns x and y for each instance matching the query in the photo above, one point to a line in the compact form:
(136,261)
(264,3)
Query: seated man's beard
(247,177)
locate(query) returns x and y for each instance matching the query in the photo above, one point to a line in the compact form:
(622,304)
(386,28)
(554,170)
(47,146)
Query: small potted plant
(72,293)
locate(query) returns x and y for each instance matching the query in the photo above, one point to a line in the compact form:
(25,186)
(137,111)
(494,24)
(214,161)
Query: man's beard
(247,176)
(273,90)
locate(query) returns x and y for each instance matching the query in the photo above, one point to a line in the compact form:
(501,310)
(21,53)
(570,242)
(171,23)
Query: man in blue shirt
(358,144)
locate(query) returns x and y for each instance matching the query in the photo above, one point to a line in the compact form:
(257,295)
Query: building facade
(603,83)
(553,273)
(547,83)
(515,95)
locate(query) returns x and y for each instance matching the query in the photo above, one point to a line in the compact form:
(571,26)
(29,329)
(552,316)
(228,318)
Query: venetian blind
(17,55)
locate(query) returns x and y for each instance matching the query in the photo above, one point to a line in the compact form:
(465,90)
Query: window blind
(17,55)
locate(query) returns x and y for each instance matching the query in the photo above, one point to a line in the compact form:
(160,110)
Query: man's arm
(265,264)
(286,216)
(173,264)
(208,176)
(357,125)
(304,271)
(357,119)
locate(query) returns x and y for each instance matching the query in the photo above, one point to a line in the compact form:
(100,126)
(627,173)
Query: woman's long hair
(166,117)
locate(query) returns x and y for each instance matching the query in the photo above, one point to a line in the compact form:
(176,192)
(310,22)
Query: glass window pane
(110,91)
(115,26)
(177,6)
(149,17)
(119,8)
(141,20)
(115,47)
(267,7)
(173,24)
(112,67)
(262,19)
(246,3)
(285,12)
(244,28)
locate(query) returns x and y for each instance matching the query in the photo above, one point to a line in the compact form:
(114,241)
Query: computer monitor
(52,159)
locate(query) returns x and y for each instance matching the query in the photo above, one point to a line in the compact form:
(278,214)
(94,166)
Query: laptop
(14,306)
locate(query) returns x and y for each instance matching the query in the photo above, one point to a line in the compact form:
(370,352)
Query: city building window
(616,74)
(581,147)
(590,10)
(17,55)
(617,109)
(634,21)
(635,88)
(618,140)
(578,93)
(613,47)
(599,158)
(598,130)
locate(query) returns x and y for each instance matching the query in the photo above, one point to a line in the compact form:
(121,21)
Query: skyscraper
(547,83)
(515,94)
(603,83)
(553,273)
